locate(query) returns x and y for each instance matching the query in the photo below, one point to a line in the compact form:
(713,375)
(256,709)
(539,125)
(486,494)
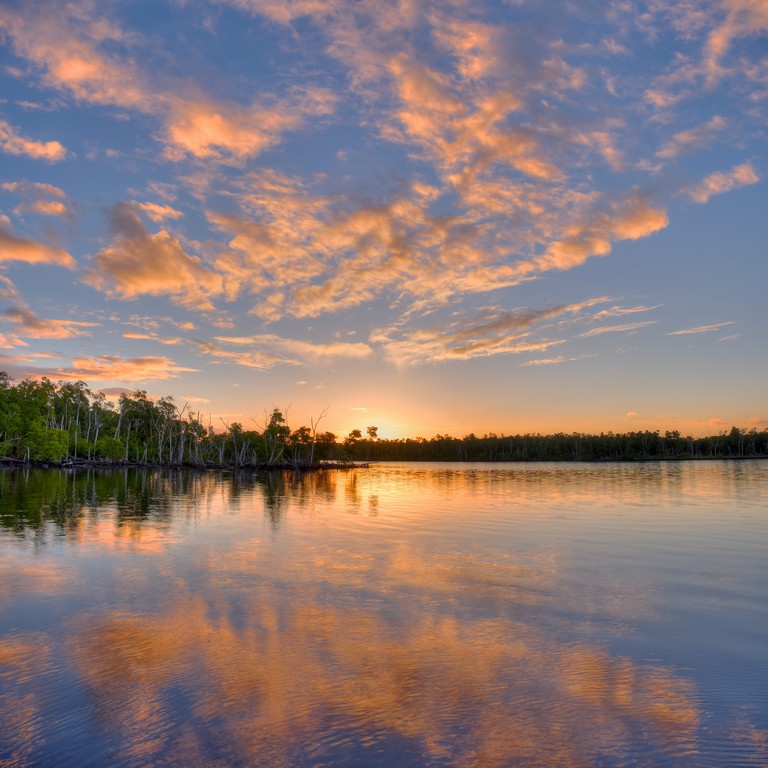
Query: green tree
(108,447)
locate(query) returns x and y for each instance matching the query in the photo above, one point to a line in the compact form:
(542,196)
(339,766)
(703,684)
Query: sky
(430,217)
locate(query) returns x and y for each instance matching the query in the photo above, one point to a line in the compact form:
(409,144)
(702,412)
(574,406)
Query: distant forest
(44,422)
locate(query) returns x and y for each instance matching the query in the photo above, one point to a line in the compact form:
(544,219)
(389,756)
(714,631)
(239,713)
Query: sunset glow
(435,218)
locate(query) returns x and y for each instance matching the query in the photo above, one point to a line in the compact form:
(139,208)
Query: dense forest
(44,422)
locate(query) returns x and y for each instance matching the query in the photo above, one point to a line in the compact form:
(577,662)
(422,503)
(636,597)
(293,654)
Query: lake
(595,615)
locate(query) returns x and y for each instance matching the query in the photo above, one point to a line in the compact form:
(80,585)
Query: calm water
(402,615)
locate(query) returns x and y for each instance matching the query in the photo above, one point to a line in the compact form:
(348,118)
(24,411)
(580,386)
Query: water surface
(411,615)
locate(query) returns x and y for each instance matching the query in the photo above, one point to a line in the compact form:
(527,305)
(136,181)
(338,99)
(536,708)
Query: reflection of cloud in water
(343,637)
(21,721)
(279,676)
(110,532)
(21,577)
(485,582)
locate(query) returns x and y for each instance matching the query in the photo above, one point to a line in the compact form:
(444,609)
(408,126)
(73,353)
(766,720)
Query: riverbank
(7,461)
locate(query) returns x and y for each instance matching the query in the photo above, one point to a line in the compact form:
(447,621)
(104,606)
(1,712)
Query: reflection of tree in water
(60,501)
(149,494)
(273,485)
(30,499)
(299,489)
(36,500)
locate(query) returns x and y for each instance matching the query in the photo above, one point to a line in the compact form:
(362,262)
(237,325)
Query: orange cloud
(152,337)
(27,324)
(11,342)
(109,368)
(9,292)
(12,143)
(260,360)
(43,199)
(64,45)
(617,311)
(605,144)
(701,329)
(269,350)
(334,349)
(465,136)
(33,187)
(140,263)
(627,220)
(14,248)
(592,235)
(477,47)
(286,237)
(693,138)
(158,212)
(494,332)
(718,183)
(306,254)
(633,219)
(204,129)
(153,324)
(620,328)
(743,18)
(77,53)
(287,11)
(46,208)
(505,198)
(544,361)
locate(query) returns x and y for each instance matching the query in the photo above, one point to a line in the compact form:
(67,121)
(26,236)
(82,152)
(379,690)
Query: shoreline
(11,462)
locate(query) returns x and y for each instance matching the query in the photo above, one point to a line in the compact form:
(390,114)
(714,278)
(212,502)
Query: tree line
(576,446)
(66,422)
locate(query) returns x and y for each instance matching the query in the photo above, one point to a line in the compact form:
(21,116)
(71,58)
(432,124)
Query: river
(574,615)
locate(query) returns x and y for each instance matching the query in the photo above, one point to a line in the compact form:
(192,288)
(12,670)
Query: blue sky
(430,217)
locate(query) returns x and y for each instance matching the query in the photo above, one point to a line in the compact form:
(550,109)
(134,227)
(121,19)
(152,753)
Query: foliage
(629,446)
(67,422)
